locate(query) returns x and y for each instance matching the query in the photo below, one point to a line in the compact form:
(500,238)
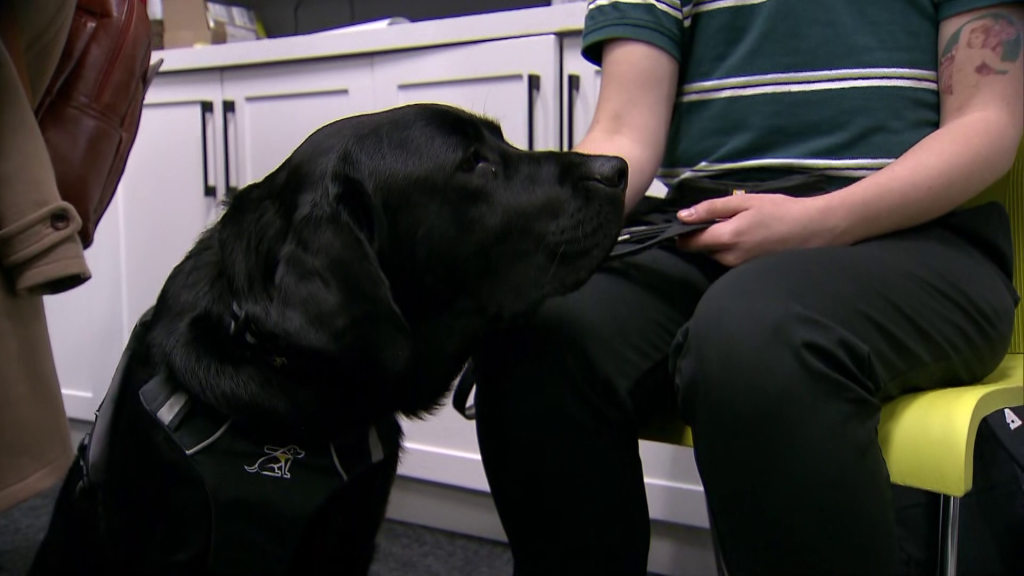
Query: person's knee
(755,347)
(545,367)
(716,361)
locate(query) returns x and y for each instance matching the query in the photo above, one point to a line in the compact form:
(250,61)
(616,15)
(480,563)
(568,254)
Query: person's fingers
(716,209)
(713,239)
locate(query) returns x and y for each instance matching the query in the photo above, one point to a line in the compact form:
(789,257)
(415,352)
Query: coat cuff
(43,253)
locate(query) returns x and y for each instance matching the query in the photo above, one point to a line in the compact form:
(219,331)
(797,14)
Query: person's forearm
(634,110)
(937,175)
(642,167)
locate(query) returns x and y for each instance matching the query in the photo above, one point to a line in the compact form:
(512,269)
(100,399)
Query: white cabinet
(512,81)
(276,107)
(172,183)
(86,324)
(581,82)
(166,196)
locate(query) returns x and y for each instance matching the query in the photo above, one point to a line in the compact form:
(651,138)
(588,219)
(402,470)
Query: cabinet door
(86,324)
(581,84)
(516,83)
(513,81)
(166,196)
(276,107)
(172,182)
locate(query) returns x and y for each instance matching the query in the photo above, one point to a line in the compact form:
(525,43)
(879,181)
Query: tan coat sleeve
(39,247)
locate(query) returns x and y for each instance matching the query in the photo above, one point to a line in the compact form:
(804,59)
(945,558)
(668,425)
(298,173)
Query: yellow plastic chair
(927,438)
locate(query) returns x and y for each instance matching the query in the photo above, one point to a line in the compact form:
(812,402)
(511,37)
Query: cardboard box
(188,23)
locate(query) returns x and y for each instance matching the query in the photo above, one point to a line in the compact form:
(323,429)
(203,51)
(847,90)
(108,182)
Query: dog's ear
(329,294)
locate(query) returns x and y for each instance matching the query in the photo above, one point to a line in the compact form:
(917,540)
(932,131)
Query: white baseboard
(444,466)
(445,508)
(668,501)
(676,550)
(78,405)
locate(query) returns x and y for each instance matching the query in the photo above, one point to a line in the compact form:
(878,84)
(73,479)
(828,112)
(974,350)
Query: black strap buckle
(240,326)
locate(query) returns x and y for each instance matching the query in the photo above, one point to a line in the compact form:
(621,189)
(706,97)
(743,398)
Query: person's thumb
(716,209)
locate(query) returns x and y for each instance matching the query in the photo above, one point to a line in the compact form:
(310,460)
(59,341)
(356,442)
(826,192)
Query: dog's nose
(609,171)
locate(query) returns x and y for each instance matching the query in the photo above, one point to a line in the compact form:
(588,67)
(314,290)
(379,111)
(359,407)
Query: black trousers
(779,365)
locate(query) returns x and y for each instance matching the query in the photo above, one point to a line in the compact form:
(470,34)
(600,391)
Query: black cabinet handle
(229,108)
(533,88)
(574,92)
(209,189)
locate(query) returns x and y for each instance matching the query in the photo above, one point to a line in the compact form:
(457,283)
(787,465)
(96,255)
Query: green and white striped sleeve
(948,8)
(663,23)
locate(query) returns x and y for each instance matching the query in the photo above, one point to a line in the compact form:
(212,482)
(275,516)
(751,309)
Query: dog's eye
(472,161)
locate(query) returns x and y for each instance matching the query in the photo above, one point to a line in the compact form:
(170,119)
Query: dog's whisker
(554,264)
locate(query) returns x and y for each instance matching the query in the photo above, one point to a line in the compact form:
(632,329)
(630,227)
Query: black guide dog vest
(261,495)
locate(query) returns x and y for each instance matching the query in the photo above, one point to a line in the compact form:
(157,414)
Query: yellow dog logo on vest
(277,462)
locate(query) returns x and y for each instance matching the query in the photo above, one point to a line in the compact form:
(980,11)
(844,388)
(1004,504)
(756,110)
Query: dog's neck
(442,344)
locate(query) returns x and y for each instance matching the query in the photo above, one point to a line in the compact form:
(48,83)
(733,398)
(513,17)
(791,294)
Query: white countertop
(563,18)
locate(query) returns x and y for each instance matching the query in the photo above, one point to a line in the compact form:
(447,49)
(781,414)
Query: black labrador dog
(252,424)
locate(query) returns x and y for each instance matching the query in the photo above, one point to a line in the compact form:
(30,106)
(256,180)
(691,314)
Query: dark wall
(287,17)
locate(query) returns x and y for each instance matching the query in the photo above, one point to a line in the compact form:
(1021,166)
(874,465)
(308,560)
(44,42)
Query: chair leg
(949,533)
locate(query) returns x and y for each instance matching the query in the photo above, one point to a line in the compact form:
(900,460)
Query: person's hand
(752,225)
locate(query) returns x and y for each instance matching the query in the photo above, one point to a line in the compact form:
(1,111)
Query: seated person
(863,262)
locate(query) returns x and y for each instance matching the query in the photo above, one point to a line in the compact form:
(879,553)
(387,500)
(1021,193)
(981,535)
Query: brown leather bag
(89,114)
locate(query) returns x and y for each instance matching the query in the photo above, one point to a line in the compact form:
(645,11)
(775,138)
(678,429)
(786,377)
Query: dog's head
(474,223)
(387,242)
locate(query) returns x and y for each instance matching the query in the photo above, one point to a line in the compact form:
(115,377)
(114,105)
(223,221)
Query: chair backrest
(1009,190)
(1015,205)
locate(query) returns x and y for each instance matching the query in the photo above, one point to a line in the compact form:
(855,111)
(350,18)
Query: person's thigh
(786,362)
(557,414)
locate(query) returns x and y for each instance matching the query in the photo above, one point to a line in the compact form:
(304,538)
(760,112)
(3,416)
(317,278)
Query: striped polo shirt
(772,87)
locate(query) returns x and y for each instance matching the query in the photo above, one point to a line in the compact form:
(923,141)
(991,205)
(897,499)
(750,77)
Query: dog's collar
(241,328)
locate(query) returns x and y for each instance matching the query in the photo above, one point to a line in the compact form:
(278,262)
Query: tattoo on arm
(983,46)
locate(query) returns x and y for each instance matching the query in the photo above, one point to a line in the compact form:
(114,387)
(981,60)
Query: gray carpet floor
(404,549)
